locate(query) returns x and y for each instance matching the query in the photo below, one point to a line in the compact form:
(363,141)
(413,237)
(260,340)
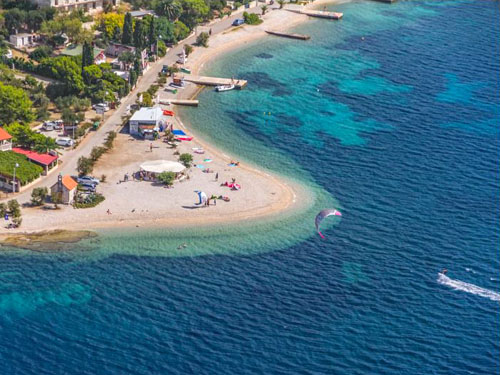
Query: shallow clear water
(393,113)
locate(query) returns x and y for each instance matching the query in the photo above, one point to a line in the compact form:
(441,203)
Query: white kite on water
(323,215)
(466,287)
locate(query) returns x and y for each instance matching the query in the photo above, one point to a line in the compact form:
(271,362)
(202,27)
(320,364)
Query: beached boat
(186,70)
(224,88)
(166,112)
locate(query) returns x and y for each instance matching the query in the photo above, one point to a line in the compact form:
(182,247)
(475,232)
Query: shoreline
(289,192)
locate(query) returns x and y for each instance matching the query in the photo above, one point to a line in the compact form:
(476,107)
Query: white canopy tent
(159,166)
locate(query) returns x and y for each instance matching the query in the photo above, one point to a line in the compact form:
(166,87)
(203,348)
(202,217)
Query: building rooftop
(4,135)
(142,13)
(44,159)
(69,183)
(147,114)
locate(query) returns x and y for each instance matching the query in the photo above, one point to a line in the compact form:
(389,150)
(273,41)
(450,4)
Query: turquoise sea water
(392,114)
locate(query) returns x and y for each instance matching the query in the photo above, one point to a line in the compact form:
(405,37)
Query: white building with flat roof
(146,121)
(90,6)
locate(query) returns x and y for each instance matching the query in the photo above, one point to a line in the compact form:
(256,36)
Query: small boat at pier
(224,88)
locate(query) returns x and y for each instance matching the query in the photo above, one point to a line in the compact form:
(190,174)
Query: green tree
(193,12)
(188,49)
(34,19)
(70,26)
(14,207)
(202,39)
(186,159)
(108,22)
(21,134)
(181,31)
(15,105)
(128,29)
(3,209)
(251,18)
(56,198)
(171,9)
(44,144)
(162,48)
(281,3)
(264,9)
(14,19)
(87,55)
(147,100)
(40,53)
(91,74)
(132,78)
(84,165)
(38,196)
(139,35)
(167,178)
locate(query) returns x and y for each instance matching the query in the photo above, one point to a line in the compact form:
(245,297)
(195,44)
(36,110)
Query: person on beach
(108,212)
(151,147)
(217,176)
(210,32)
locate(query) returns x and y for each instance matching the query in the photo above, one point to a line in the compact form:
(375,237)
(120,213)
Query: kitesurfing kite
(323,215)
(202,196)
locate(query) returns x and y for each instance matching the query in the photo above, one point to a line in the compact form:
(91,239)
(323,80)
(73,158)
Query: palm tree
(171,9)
(281,3)
(264,9)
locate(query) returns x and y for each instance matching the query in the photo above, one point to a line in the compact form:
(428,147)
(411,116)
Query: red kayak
(168,113)
(184,138)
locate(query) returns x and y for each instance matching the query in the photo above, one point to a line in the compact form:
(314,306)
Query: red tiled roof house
(66,186)
(46,161)
(5,140)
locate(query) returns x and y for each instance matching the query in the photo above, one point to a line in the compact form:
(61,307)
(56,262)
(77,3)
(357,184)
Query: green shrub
(38,196)
(251,18)
(89,201)
(167,178)
(186,159)
(202,39)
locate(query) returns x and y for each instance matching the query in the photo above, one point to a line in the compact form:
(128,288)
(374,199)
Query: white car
(8,54)
(101,106)
(65,141)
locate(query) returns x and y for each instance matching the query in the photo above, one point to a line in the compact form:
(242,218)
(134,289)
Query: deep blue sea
(391,114)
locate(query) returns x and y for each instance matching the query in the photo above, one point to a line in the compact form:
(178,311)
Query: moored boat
(224,88)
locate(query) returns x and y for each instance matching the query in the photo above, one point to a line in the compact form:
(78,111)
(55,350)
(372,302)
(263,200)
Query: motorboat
(224,88)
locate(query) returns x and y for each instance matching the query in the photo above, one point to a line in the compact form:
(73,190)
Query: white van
(65,141)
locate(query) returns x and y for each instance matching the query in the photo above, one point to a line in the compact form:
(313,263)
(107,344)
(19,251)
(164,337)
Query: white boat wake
(469,288)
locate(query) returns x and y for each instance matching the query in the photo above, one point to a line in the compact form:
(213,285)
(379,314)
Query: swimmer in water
(444,271)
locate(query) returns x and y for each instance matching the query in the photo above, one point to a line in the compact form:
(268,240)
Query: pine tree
(87,55)
(152,33)
(139,35)
(127,30)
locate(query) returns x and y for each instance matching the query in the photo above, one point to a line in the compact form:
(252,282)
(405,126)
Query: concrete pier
(319,13)
(289,35)
(214,81)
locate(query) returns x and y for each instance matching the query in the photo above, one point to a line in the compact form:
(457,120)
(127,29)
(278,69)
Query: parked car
(101,106)
(58,124)
(88,180)
(65,141)
(238,22)
(48,126)
(8,54)
(87,187)
(164,69)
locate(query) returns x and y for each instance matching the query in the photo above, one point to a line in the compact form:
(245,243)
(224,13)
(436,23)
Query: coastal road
(114,121)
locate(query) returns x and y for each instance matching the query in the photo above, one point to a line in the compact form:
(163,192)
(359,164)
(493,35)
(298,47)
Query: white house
(146,121)
(21,40)
(90,6)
